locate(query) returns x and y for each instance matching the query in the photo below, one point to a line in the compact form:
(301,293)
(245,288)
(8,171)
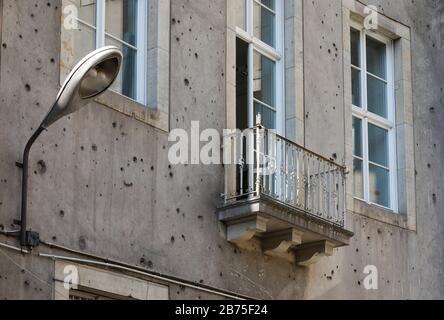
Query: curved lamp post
(91,77)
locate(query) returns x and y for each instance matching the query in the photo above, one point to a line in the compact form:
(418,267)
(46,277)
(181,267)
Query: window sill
(378,213)
(134,109)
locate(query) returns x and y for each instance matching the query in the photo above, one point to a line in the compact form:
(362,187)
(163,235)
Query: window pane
(358,180)
(355,48)
(121,20)
(264,24)
(376,58)
(379,186)
(268,116)
(87,11)
(264,82)
(378,145)
(126,81)
(357,137)
(242,84)
(84,38)
(268,3)
(356,87)
(377,96)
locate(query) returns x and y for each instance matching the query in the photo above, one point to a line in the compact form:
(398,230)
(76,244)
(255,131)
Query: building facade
(334,191)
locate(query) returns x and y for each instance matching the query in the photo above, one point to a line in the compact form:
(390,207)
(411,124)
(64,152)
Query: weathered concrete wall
(101,182)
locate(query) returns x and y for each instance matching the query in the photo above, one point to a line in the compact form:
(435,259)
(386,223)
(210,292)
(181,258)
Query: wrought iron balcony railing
(271,166)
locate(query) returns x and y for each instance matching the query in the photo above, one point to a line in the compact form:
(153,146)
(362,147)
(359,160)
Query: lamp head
(91,77)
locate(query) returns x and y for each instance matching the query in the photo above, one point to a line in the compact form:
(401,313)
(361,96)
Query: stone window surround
(156,112)
(294,69)
(400,34)
(113,284)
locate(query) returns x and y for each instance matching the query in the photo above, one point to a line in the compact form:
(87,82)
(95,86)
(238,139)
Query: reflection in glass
(264,23)
(121,20)
(378,145)
(268,115)
(379,186)
(376,58)
(356,87)
(355,36)
(376,96)
(264,82)
(87,12)
(121,24)
(126,81)
(357,137)
(358,180)
(85,35)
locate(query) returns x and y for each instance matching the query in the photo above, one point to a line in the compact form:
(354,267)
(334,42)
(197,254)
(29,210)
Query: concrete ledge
(281,229)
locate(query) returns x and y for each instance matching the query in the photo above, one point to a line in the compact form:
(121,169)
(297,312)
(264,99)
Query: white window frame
(368,117)
(140,47)
(274,54)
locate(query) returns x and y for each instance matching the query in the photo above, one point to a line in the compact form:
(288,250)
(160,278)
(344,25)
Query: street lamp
(91,77)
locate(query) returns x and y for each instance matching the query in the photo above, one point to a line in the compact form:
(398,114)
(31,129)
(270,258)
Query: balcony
(281,198)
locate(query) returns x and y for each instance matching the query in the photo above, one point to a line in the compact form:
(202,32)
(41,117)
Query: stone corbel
(279,244)
(308,254)
(239,233)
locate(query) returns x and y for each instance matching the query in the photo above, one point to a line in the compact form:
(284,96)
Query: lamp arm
(23,236)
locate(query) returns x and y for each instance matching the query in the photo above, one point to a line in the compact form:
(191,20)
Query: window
(121,23)
(259,65)
(373,109)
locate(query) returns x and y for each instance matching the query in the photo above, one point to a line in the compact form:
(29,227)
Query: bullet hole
(150,264)
(368,238)
(94,148)
(4,45)
(152,168)
(54,238)
(114,125)
(334,156)
(82,148)
(171,175)
(178,210)
(183,237)
(355,271)
(62,213)
(196,55)
(52,60)
(434,198)
(201,281)
(187,82)
(41,167)
(221,275)
(27,87)
(379,231)
(142,260)
(128,184)
(82,243)
(27,283)
(359,283)
(429,165)
(200,217)
(432,109)
(173,239)
(357,250)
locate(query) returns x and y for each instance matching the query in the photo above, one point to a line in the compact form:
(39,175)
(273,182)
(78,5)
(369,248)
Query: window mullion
(100,21)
